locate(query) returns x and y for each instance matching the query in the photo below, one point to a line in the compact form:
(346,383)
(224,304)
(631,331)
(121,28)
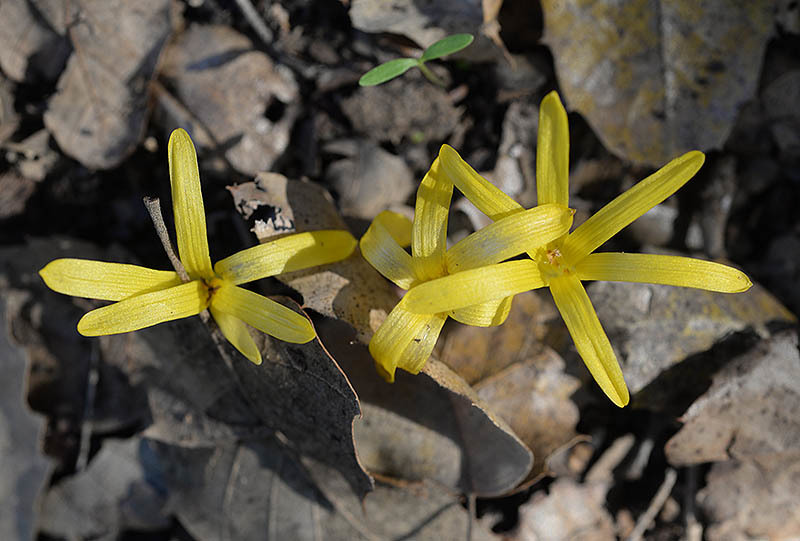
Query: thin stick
(647,518)
(153,205)
(255,20)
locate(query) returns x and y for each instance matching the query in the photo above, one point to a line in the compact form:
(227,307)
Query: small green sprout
(394,68)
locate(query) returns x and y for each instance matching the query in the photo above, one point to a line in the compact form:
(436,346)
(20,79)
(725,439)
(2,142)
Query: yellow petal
(379,247)
(105,281)
(474,286)
(235,331)
(663,269)
(488,314)
(524,231)
(187,205)
(404,340)
(487,197)
(589,337)
(552,152)
(630,205)
(429,233)
(398,226)
(262,313)
(286,254)
(146,310)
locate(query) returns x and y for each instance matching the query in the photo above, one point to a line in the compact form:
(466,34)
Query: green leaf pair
(394,68)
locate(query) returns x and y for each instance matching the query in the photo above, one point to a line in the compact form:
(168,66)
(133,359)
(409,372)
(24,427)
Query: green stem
(426,71)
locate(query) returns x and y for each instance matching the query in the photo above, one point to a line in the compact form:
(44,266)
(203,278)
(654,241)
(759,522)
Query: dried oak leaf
(23,468)
(98,112)
(656,79)
(120,490)
(521,379)
(247,103)
(430,426)
(751,409)
(30,49)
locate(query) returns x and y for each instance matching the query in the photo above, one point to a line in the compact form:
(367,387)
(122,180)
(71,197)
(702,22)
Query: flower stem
(153,205)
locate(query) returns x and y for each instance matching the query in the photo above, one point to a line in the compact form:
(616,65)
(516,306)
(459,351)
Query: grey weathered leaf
(367,178)
(119,490)
(656,79)
(751,409)
(98,112)
(247,103)
(30,49)
(23,468)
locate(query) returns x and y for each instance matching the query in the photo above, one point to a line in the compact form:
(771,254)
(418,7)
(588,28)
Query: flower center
(212,285)
(552,263)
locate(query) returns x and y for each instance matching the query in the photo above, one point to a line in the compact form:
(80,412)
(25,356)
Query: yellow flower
(148,297)
(405,339)
(564,262)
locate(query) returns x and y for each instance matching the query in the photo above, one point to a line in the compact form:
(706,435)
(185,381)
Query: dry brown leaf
(30,50)
(654,327)
(430,426)
(427,23)
(570,510)
(656,79)
(753,499)
(98,112)
(367,178)
(751,409)
(522,380)
(244,101)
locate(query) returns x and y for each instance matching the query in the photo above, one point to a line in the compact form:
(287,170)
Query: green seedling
(394,68)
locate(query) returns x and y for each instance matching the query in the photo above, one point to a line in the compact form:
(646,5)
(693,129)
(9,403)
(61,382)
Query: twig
(647,518)
(153,205)
(255,20)
(471,514)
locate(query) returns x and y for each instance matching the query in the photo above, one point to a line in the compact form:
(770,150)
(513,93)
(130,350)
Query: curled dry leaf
(751,409)
(430,426)
(247,103)
(521,379)
(655,327)
(645,76)
(98,112)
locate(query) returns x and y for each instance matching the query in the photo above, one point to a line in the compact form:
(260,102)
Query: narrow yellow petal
(487,197)
(429,232)
(589,337)
(286,254)
(235,331)
(379,247)
(146,310)
(398,226)
(488,314)
(630,205)
(262,313)
(474,286)
(404,340)
(524,231)
(105,281)
(187,205)
(552,152)
(663,269)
